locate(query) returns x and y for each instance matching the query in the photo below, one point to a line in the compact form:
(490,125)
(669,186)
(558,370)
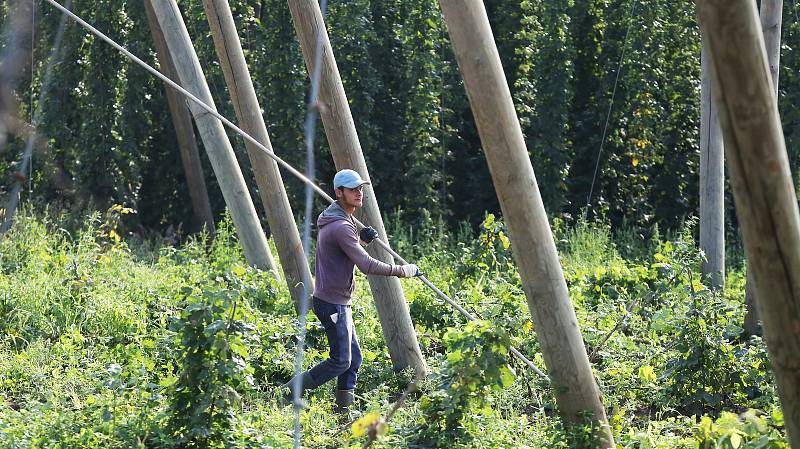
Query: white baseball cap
(348,178)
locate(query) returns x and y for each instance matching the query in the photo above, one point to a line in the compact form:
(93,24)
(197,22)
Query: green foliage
(711,371)
(751,430)
(212,340)
(111,141)
(477,361)
(117,344)
(490,253)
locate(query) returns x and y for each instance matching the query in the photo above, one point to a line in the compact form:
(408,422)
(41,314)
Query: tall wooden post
(712,184)
(182,122)
(771,14)
(398,331)
(215,141)
(532,241)
(762,184)
(268,177)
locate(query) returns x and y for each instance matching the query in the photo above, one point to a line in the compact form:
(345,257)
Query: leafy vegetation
(129,343)
(110,139)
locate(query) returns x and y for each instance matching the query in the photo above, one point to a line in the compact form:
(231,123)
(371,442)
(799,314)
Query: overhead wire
(309,183)
(610,107)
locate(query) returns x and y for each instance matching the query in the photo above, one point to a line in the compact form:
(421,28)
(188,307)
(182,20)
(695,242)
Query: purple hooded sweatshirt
(338,251)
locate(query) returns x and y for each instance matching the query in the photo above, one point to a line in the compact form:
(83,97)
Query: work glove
(409,270)
(368,234)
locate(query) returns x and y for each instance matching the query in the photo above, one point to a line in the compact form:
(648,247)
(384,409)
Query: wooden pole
(712,185)
(398,330)
(762,184)
(268,177)
(771,15)
(215,141)
(532,241)
(182,122)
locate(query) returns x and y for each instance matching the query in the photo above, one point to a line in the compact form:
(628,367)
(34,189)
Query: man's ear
(338,193)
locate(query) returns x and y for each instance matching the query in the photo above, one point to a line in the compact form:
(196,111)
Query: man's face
(350,197)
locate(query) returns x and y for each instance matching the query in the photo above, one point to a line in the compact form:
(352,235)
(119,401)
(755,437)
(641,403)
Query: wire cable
(610,107)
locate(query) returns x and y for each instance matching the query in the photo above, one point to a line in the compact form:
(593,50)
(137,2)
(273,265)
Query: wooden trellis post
(532,241)
(712,184)
(398,331)
(215,141)
(771,14)
(184,132)
(268,177)
(766,202)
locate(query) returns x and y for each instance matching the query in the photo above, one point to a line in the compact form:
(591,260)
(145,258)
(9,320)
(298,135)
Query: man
(338,251)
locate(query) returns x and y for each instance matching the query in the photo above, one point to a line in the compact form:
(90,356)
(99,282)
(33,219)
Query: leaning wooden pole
(268,177)
(398,330)
(215,141)
(771,14)
(532,241)
(712,184)
(184,132)
(765,199)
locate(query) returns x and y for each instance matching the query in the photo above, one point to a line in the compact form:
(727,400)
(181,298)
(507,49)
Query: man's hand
(410,270)
(368,234)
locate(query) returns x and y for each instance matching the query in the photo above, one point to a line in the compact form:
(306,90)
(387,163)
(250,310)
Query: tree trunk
(182,121)
(534,249)
(215,141)
(398,330)
(771,17)
(712,185)
(268,177)
(762,184)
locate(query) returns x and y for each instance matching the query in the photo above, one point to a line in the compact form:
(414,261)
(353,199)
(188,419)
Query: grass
(89,351)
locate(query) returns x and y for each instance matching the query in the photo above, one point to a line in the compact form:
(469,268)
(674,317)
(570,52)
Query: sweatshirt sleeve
(345,234)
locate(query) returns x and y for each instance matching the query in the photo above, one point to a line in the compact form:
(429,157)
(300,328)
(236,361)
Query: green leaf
(507,376)
(647,373)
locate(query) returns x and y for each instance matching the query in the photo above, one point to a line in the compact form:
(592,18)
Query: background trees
(111,140)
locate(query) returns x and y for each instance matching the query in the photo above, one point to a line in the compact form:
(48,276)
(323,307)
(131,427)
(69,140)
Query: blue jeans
(344,355)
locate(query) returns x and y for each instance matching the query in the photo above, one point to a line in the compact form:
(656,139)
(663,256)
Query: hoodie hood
(332,213)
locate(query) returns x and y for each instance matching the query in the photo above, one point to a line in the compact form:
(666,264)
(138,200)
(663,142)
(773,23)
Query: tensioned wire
(610,107)
(309,184)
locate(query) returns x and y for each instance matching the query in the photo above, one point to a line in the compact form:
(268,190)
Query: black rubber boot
(344,398)
(287,389)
